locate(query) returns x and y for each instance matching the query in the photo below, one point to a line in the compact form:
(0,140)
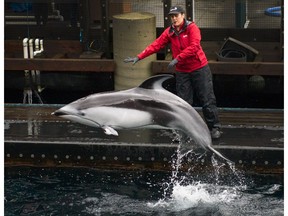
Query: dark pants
(200,83)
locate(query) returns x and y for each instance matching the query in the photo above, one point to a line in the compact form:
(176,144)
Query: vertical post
(105,27)
(190,10)
(167,22)
(37,72)
(166,8)
(282,30)
(240,13)
(27,87)
(84,11)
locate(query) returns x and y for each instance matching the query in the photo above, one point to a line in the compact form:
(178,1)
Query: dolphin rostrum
(148,106)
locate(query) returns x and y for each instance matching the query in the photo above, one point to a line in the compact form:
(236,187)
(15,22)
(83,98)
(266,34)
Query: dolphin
(149,105)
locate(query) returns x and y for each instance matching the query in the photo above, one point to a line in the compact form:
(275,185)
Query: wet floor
(240,127)
(65,131)
(254,140)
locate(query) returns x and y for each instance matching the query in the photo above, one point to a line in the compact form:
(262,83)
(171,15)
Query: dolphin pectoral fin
(109,130)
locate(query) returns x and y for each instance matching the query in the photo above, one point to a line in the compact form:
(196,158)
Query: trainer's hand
(129,59)
(172,63)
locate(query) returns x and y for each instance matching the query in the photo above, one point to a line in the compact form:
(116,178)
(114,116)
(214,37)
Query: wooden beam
(244,35)
(61,65)
(108,65)
(232,68)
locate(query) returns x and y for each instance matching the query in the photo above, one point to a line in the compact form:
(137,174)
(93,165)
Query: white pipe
(27,91)
(37,44)
(37,47)
(37,72)
(25,48)
(31,48)
(40,89)
(31,55)
(42,45)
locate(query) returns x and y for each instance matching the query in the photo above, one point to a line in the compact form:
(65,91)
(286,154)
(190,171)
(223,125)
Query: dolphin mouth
(72,116)
(59,113)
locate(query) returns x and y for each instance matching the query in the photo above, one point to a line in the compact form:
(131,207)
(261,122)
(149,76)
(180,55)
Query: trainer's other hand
(172,63)
(129,59)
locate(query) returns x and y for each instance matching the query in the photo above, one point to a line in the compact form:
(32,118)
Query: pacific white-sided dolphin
(148,106)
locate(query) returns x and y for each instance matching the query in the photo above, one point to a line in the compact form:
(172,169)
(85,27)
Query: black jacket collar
(173,30)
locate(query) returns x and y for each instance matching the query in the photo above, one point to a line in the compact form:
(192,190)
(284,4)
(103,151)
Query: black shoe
(215,133)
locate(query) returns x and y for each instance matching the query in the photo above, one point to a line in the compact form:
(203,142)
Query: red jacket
(185,46)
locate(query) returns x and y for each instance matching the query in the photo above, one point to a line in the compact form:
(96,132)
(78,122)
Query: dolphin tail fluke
(219,154)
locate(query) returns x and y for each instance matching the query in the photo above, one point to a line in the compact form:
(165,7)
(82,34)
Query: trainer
(193,75)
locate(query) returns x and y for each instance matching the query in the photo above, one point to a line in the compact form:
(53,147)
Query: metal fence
(221,13)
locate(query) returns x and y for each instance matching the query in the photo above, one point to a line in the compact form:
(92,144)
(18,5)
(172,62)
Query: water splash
(77,191)
(186,190)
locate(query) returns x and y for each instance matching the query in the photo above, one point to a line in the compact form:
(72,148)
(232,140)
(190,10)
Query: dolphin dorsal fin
(156,82)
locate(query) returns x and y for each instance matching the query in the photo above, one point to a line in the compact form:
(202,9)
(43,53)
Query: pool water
(87,191)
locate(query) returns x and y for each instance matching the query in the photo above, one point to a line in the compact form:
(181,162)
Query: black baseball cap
(176,10)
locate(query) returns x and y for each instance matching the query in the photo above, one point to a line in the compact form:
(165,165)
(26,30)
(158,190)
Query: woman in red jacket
(193,75)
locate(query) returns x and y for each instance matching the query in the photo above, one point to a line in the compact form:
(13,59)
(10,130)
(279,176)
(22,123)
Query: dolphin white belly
(120,117)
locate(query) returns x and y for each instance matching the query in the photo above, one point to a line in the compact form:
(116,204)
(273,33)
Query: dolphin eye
(81,113)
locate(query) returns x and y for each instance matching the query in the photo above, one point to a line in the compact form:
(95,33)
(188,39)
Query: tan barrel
(132,32)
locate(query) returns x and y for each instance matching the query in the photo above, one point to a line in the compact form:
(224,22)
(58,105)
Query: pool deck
(252,138)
